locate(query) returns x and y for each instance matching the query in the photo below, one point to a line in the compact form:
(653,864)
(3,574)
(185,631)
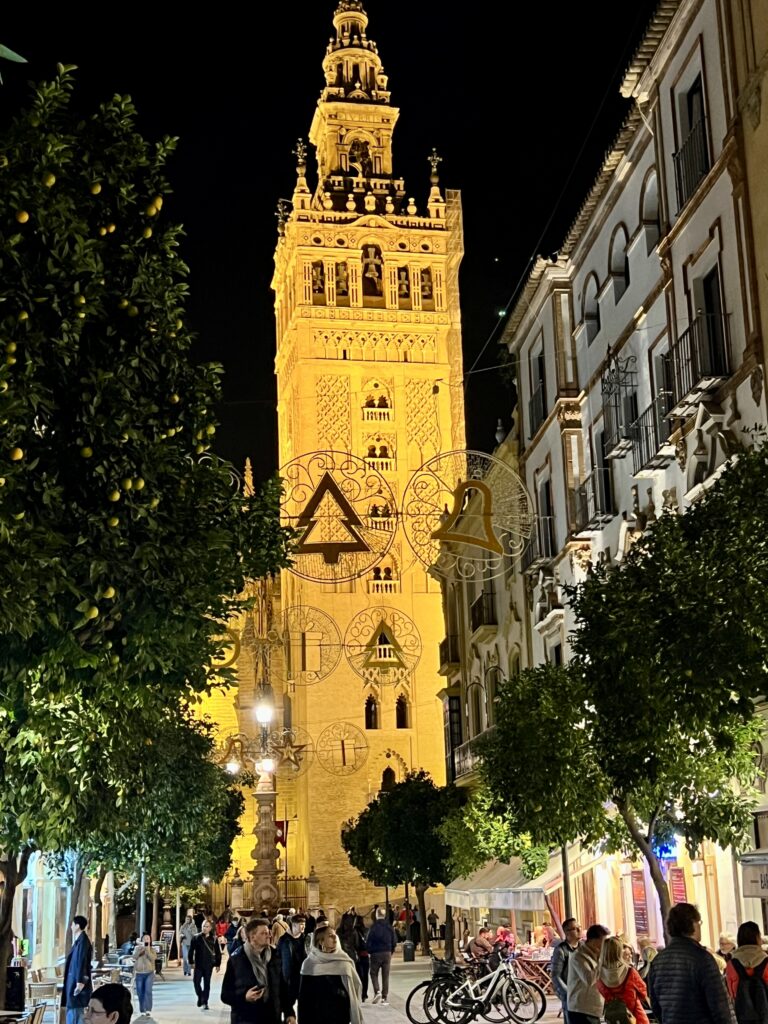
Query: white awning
(496,886)
(755,856)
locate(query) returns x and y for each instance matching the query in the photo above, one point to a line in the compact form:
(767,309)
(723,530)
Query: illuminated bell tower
(369,365)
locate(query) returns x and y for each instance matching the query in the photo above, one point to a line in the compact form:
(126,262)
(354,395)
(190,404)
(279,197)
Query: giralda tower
(369,373)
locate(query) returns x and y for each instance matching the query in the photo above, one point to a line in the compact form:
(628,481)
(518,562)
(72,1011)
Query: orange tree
(124,540)
(397,838)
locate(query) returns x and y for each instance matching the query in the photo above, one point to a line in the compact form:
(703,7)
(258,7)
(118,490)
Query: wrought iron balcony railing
(691,162)
(541,547)
(536,408)
(449,654)
(698,362)
(650,431)
(593,503)
(482,613)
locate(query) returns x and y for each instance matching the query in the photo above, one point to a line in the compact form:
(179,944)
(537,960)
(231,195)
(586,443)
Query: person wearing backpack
(620,985)
(747,976)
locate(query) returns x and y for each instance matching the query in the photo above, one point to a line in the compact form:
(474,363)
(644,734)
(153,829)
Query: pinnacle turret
(353,69)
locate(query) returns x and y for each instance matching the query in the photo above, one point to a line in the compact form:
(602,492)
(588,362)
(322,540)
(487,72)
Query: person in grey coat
(684,982)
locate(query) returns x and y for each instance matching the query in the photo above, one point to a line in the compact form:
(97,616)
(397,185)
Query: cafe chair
(45,994)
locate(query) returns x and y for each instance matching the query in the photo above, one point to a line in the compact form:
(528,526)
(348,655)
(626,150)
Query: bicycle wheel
(416,1005)
(541,997)
(496,1011)
(523,1001)
(453,1002)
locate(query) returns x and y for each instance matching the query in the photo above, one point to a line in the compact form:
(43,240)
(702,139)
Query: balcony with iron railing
(698,362)
(593,504)
(537,408)
(691,162)
(466,757)
(650,433)
(541,547)
(482,616)
(449,655)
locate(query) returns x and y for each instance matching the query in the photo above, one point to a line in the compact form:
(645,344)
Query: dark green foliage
(396,839)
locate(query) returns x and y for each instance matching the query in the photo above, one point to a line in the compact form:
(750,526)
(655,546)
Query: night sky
(508,101)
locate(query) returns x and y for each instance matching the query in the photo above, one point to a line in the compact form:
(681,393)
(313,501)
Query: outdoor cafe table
(536,970)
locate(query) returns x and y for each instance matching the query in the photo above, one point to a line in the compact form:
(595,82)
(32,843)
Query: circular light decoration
(382,645)
(465,511)
(312,645)
(292,750)
(229,649)
(334,501)
(342,749)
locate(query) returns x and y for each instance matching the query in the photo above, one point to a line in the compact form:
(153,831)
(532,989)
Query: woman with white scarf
(330,987)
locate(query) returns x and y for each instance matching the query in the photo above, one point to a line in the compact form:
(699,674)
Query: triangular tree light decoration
(331,523)
(383,650)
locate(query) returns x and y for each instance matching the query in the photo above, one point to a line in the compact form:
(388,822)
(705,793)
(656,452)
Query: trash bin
(409,952)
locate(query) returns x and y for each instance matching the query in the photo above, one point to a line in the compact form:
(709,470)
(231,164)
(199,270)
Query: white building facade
(639,370)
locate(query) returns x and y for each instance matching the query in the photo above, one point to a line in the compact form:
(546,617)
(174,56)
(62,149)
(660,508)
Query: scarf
(319,964)
(259,963)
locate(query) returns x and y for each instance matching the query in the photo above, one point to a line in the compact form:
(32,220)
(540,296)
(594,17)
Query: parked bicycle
(486,988)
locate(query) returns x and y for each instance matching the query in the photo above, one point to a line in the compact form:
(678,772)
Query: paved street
(174,999)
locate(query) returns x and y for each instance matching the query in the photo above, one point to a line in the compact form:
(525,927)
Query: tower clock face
(342,749)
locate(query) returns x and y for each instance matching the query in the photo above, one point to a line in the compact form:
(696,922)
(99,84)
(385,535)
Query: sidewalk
(174,1000)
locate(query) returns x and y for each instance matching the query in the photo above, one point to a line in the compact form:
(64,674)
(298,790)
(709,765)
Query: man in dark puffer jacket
(684,983)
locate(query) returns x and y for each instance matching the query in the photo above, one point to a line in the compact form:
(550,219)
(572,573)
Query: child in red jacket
(616,979)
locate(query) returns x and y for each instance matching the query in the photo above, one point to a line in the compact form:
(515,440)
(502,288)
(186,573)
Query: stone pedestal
(264,853)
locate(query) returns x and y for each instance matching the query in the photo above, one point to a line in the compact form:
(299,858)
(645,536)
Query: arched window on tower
(388,780)
(371,713)
(287,712)
(402,713)
(373,274)
(318,283)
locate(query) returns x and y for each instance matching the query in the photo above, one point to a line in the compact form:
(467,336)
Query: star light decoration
(292,750)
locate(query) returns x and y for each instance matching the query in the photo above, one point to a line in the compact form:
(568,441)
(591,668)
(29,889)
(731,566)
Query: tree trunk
(98,927)
(155,914)
(448,946)
(77,888)
(14,868)
(420,890)
(644,843)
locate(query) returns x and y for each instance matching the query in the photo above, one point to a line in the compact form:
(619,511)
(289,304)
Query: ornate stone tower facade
(369,376)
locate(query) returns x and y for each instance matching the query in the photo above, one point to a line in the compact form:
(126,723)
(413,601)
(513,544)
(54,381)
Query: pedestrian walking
(585,1004)
(187,932)
(254,987)
(292,952)
(77,972)
(620,985)
(110,1004)
(349,939)
(279,928)
(561,954)
(684,983)
(204,957)
(310,924)
(746,975)
(144,958)
(330,991)
(363,956)
(381,944)
(432,921)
